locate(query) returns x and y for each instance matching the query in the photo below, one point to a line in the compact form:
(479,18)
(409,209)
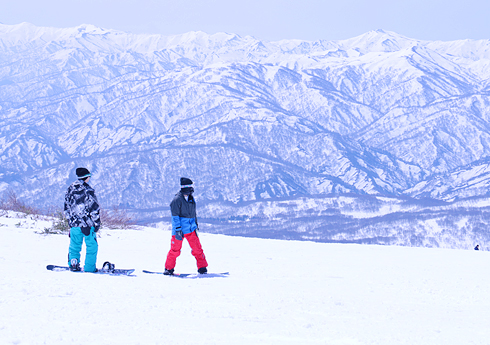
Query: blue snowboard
(115,272)
(192,275)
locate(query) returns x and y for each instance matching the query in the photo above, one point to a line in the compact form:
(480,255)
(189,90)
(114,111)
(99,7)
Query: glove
(85,230)
(179,235)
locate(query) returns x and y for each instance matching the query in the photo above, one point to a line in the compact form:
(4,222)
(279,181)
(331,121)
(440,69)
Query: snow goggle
(88,175)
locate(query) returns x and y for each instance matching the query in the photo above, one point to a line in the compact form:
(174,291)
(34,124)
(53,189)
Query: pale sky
(268,20)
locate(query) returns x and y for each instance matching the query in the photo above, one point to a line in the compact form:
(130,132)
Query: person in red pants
(184,225)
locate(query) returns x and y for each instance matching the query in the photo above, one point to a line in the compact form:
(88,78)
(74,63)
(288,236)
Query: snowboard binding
(75,265)
(108,267)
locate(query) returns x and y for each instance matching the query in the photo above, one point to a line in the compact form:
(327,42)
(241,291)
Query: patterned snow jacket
(183,215)
(81,207)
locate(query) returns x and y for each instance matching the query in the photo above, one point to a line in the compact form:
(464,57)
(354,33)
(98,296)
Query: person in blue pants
(82,211)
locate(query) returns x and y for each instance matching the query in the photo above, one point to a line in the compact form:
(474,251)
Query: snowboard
(116,272)
(192,275)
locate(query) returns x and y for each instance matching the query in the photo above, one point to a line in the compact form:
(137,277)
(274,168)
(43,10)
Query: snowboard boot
(169,272)
(202,270)
(75,265)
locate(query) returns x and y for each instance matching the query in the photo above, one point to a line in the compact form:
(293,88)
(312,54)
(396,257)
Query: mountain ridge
(379,114)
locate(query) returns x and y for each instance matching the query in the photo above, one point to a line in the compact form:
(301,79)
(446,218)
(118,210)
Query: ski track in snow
(278,292)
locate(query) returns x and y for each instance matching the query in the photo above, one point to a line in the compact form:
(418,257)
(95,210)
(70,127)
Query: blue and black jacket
(184,220)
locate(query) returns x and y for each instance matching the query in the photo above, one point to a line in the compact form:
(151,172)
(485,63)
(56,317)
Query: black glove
(179,235)
(85,230)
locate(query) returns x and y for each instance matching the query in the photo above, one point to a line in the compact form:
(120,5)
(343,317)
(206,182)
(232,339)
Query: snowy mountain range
(255,124)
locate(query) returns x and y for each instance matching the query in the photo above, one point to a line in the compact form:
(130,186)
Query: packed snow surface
(278,292)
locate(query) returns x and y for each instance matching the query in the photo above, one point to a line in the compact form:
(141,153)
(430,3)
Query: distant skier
(477,247)
(82,212)
(184,225)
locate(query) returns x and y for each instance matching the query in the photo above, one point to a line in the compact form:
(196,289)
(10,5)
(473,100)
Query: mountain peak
(379,41)
(91,29)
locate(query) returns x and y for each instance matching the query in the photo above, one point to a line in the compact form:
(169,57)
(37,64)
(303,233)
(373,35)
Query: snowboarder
(477,247)
(184,225)
(82,212)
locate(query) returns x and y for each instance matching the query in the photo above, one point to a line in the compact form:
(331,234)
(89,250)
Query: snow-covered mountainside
(247,120)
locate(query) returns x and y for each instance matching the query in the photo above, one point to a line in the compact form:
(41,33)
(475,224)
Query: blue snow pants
(76,240)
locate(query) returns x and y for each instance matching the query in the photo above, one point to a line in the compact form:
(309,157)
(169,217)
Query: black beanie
(186,185)
(82,173)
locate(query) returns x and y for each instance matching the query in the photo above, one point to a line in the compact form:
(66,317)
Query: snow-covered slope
(248,120)
(278,292)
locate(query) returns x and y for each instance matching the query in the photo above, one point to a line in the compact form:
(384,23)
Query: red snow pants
(196,250)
